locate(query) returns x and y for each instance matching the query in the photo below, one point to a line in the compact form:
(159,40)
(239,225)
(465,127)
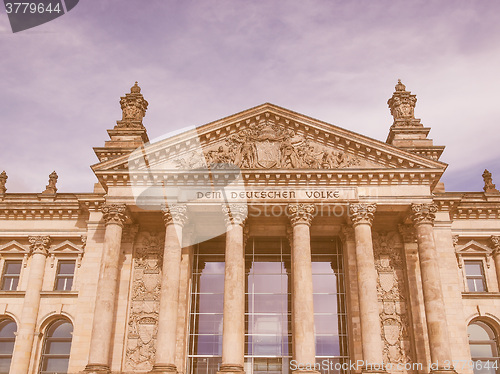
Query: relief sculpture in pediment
(269,145)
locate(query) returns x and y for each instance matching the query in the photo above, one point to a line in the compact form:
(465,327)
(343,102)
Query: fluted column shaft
(104,314)
(26,332)
(301,216)
(423,216)
(495,241)
(371,338)
(233,323)
(175,217)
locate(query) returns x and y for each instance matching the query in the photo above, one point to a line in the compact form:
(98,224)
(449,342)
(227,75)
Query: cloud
(199,61)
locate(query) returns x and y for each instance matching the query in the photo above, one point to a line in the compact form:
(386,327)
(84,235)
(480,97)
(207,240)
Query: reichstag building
(265,242)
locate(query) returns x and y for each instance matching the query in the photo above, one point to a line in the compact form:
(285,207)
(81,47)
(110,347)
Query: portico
(265,242)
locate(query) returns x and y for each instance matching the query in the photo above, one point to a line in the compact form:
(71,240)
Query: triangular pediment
(66,247)
(13,247)
(272,139)
(473,248)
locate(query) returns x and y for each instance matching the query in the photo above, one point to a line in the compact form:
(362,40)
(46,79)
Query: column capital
(235,213)
(39,244)
(174,214)
(115,214)
(495,243)
(301,213)
(362,213)
(408,233)
(423,213)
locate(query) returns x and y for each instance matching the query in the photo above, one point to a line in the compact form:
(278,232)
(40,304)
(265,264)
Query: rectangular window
(65,275)
(329,297)
(11,273)
(205,338)
(474,275)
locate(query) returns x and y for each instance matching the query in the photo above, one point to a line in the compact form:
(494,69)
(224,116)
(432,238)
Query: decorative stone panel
(145,301)
(391,291)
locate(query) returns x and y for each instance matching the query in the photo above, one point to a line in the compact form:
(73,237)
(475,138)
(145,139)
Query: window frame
(9,320)
(486,325)
(483,276)
(65,276)
(11,276)
(45,339)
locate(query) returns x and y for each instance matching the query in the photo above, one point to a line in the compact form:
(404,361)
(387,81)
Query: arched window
(56,348)
(483,348)
(7,340)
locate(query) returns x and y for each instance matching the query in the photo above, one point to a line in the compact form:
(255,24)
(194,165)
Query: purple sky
(198,61)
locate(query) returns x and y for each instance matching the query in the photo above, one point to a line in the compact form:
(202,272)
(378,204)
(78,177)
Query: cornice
(468,205)
(108,153)
(28,206)
(345,177)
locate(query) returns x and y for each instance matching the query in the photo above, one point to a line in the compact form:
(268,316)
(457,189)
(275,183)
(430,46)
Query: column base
(231,369)
(96,369)
(164,369)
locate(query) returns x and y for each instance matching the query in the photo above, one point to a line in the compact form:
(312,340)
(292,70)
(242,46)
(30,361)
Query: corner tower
(406,131)
(129,132)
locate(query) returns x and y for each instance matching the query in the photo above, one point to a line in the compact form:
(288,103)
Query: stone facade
(407,247)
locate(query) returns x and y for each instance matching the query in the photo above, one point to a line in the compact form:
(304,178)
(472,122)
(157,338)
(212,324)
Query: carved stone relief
(266,145)
(145,301)
(387,248)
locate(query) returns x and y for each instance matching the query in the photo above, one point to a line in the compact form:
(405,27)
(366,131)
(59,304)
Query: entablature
(428,177)
(469,205)
(27,206)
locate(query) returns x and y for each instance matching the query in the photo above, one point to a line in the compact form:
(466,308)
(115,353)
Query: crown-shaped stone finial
(402,106)
(489,187)
(135,88)
(133,108)
(51,188)
(400,86)
(3,181)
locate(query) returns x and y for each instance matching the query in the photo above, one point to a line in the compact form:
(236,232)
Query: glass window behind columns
(329,304)
(205,339)
(268,309)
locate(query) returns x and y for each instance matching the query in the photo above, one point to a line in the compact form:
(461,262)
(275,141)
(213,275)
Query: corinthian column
(495,241)
(233,322)
(423,216)
(174,216)
(104,315)
(39,246)
(371,338)
(301,216)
